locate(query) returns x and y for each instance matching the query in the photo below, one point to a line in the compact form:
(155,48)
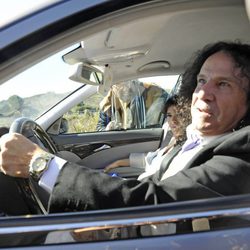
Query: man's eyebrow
(228,78)
(201,75)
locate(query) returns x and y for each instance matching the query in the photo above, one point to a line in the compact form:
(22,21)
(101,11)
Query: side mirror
(64,126)
(87,74)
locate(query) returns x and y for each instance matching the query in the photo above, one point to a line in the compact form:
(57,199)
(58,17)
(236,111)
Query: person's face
(173,121)
(219,101)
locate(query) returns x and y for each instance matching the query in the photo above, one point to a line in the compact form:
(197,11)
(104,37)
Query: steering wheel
(34,196)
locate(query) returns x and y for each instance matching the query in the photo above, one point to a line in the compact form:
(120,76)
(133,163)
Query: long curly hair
(183,113)
(239,52)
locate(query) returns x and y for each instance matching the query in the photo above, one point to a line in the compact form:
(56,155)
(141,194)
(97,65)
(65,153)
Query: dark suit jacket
(221,168)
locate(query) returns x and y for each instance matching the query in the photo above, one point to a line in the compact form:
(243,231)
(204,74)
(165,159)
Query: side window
(83,117)
(132,105)
(127,105)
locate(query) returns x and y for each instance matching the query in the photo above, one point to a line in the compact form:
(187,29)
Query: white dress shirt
(183,157)
(49,177)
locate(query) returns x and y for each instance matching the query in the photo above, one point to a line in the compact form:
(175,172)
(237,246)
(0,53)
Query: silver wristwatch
(39,164)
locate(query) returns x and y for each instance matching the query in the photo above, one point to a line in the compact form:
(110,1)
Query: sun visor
(87,74)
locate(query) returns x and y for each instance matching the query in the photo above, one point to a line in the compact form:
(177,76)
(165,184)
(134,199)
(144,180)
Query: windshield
(37,89)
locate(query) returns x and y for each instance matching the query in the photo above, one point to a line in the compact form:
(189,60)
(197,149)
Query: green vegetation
(84,122)
(84,116)
(81,118)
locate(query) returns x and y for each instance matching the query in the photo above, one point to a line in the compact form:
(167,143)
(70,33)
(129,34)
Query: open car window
(139,48)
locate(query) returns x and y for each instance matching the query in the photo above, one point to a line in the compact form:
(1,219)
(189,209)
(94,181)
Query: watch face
(39,164)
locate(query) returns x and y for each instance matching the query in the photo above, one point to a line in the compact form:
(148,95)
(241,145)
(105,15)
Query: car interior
(143,41)
(157,51)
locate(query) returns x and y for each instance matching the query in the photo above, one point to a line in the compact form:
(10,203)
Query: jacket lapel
(167,160)
(206,153)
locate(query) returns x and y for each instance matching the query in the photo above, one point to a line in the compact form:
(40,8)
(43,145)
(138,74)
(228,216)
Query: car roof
(139,39)
(159,40)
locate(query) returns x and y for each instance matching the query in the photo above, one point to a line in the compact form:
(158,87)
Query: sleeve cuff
(49,177)
(137,160)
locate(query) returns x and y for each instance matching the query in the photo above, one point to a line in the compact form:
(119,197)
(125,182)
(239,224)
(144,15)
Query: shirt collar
(193,135)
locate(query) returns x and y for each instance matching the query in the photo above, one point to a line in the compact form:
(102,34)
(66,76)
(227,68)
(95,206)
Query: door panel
(125,142)
(229,227)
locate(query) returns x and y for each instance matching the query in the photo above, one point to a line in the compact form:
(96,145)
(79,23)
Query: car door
(205,224)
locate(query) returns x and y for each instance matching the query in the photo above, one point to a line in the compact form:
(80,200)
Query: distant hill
(31,107)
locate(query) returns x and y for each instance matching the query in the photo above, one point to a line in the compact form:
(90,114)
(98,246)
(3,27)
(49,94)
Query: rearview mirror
(87,74)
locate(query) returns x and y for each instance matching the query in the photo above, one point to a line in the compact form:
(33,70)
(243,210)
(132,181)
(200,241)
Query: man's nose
(207,91)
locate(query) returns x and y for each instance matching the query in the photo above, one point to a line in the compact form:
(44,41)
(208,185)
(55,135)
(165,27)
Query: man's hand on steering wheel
(15,162)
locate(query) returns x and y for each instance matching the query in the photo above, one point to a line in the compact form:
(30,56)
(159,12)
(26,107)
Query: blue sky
(41,78)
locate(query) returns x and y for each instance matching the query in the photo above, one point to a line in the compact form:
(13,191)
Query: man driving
(214,161)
